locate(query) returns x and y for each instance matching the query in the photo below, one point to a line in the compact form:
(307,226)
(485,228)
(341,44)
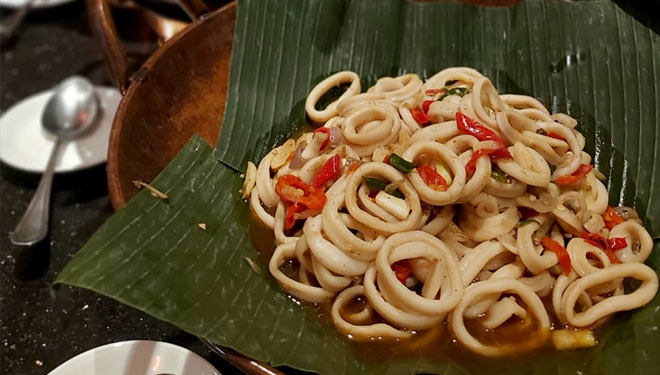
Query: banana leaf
(590,59)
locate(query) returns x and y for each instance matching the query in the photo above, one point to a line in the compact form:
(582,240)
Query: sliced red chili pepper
(431,177)
(471,165)
(328,173)
(326,142)
(501,153)
(617,243)
(562,255)
(610,254)
(290,215)
(576,176)
(597,239)
(355,164)
(435,91)
(555,136)
(426,105)
(469,126)
(402,270)
(291,180)
(288,181)
(526,212)
(611,218)
(315,200)
(387,159)
(298,196)
(419,116)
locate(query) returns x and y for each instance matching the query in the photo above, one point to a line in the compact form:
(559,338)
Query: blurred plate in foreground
(136,358)
(36,4)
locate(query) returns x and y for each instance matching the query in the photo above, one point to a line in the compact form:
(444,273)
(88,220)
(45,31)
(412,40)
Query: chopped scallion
(460,91)
(378,185)
(403,165)
(499,175)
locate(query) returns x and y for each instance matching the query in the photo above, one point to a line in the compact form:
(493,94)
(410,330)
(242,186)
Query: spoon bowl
(72,108)
(71,111)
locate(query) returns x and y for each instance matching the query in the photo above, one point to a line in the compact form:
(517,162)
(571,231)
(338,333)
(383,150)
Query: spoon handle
(33,226)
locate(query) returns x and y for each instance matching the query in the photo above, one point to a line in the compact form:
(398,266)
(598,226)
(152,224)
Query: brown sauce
(522,337)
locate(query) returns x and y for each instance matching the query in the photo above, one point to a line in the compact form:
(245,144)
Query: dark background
(39,331)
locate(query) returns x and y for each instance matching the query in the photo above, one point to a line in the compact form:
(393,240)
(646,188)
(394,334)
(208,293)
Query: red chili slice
(432,178)
(471,165)
(560,251)
(469,126)
(597,239)
(419,116)
(298,196)
(328,173)
(555,136)
(290,215)
(611,218)
(576,176)
(353,166)
(402,270)
(617,243)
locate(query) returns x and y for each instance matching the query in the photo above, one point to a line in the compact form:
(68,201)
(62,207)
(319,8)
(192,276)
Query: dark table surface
(39,331)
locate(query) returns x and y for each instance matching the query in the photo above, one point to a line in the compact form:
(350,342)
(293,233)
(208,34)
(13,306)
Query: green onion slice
(499,175)
(378,185)
(403,165)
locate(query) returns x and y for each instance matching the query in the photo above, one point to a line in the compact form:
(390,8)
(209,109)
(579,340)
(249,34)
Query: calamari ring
(449,283)
(633,232)
(450,159)
(640,297)
(476,290)
(319,90)
(391,174)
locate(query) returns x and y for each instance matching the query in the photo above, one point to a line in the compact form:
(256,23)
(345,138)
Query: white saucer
(136,358)
(36,4)
(26,146)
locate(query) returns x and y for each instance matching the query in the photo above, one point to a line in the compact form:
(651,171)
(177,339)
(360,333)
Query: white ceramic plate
(26,146)
(136,358)
(36,4)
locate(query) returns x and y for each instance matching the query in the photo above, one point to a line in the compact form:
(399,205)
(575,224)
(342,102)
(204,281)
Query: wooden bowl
(179,91)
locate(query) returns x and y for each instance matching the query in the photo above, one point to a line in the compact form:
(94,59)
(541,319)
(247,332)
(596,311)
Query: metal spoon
(69,112)
(241,362)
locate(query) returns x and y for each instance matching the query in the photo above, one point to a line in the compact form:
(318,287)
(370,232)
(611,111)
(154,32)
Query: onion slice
(298,161)
(336,138)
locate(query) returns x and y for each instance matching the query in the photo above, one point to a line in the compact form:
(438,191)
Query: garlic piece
(250,180)
(395,206)
(281,154)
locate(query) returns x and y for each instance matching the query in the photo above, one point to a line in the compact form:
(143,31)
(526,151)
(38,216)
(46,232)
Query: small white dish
(26,146)
(136,358)
(37,3)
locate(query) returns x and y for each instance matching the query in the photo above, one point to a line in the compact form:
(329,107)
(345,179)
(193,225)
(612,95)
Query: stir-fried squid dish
(416,205)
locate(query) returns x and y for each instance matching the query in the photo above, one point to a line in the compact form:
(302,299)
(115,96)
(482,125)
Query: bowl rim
(117,197)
